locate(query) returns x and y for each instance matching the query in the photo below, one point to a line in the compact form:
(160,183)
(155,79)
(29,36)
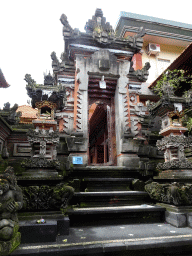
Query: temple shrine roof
(3,82)
(27,114)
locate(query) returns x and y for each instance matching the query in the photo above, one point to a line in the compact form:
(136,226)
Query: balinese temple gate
(102,114)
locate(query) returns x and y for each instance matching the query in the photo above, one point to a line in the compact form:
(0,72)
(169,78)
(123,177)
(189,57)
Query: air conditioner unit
(153,49)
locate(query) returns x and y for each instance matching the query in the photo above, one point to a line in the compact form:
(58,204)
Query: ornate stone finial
(6,106)
(11,200)
(29,79)
(142,74)
(99,27)
(55,61)
(67,29)
(98,13)
(48,80)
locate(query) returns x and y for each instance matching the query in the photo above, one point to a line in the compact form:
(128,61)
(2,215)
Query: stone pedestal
(128,160)
(178,216)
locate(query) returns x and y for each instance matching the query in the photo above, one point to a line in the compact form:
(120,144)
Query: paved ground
(138,239)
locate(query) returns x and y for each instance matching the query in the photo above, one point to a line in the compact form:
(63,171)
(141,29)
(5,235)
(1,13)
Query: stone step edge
(117,209)
(105,168)
(108,179)
(111,193)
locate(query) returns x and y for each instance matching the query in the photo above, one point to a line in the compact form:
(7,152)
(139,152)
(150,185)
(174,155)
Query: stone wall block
(176,219)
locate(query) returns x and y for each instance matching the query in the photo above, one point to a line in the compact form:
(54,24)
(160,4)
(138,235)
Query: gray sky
(30,30)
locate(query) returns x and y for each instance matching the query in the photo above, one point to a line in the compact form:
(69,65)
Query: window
(162,65)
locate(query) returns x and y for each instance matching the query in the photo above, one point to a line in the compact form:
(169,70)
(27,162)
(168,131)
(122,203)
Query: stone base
(31,232)
(82,163)
(129,161)
(7,247)
(175,174)
(176,209)
(178,216)
(40,173)
(176,219)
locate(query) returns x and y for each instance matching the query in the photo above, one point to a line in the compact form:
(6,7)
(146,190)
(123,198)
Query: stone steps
(104,172)
(107,184)
(116,215)
(110,198)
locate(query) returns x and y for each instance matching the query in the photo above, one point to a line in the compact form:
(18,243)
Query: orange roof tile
(28,113)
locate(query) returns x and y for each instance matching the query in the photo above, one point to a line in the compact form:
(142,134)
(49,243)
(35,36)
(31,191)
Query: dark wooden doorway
(102,138)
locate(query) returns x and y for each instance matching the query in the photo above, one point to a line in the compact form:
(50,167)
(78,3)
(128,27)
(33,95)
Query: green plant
(187,121)
(174,78)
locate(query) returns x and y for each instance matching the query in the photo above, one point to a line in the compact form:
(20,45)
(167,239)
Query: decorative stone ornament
(175,193)
(174,143)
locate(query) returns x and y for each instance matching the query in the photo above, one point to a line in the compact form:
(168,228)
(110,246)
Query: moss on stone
(3,164)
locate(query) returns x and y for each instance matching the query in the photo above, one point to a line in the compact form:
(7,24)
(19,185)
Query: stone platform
(158,239)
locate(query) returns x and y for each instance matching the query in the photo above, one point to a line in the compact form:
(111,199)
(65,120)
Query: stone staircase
(106,196)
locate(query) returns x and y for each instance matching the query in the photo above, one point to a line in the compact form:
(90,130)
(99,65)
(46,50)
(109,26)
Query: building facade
(164,40)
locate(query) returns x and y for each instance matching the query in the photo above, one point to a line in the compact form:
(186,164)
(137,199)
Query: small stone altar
(173,185)
(45,194)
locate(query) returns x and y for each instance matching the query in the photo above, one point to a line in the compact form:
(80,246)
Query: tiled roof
(155,20)
(3,82)
(28,113)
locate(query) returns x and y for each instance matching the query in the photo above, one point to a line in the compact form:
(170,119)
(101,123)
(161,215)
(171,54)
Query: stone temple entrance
(101,118)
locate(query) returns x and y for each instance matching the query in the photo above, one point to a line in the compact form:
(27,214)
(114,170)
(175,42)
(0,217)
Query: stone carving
(174,140)
(47,197)
(40,163)
(98,21)
(13,117)
(48,136)
(48,80)
(55,61)
(66,63)
(101,30)
(11,200)
(175,193)
(140,109)
(67,29)
(143,74)
(173,146)
(126,118)
(79,111)
(140,34)
(29,79)
(6,106)
(40,158)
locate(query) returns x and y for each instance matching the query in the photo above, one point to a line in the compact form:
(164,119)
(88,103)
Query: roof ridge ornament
(101,30)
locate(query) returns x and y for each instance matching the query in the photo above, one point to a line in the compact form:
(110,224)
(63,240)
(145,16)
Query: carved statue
(14,116)
(48,80)
(142,74)
(6,106)
(11,200)
(65,23)
(55,61)
(29,79)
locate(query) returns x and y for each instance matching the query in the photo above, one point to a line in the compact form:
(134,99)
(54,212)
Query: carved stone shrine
(102,112)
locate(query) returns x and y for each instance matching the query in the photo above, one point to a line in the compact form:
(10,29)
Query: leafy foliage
(174,78)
